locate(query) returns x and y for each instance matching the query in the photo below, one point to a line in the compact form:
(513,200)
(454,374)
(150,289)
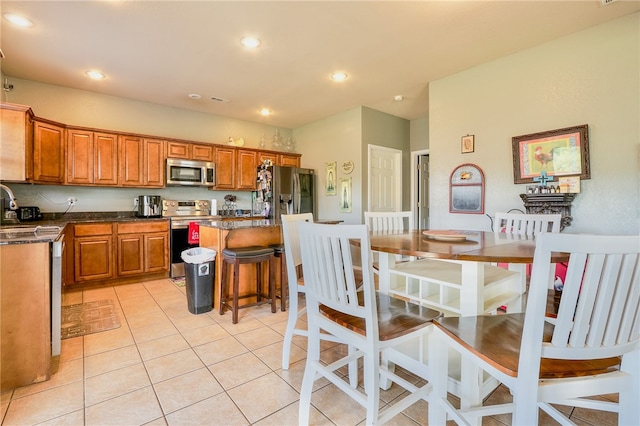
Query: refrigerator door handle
(296,193)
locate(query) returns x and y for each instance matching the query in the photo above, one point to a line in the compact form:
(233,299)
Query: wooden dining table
(474,255)
(473,252)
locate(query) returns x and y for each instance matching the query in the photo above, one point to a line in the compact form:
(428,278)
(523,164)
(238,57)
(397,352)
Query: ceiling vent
(606,2)
(216,99)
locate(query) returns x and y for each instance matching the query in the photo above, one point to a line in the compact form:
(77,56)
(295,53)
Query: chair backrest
(391,222)
(291,241)
(599,314)
(527,224)
(328,265)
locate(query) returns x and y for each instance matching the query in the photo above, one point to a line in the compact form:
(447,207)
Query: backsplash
(53,198)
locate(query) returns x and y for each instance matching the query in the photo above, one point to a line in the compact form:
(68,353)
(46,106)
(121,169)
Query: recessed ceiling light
(339,76)
(265,112)
(250,42)
(96,75)
(398,98)
(18,20)
(194,96)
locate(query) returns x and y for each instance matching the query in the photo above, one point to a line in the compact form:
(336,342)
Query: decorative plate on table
(444,235)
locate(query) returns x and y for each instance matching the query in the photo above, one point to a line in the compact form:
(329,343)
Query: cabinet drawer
(142,227)
(90,229)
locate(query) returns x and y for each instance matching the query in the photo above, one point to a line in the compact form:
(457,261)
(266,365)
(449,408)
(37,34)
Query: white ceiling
(160,51)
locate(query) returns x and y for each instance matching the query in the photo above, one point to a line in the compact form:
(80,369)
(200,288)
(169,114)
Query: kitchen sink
(30,233)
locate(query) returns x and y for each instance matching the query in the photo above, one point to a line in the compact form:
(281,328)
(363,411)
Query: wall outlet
(135,203)
(72,201)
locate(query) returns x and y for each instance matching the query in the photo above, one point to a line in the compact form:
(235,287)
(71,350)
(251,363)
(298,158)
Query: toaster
(28,213)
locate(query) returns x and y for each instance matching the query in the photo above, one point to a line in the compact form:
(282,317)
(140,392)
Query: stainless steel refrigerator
(285,190)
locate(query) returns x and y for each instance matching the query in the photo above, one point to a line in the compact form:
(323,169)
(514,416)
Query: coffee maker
(149,206)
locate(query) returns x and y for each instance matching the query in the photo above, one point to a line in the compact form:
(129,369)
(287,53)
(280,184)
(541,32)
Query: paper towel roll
(214,207)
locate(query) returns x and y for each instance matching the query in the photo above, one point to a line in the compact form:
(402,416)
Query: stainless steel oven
(181,213)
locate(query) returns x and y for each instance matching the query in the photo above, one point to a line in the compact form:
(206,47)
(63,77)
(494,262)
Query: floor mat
(88,318)
(180,281)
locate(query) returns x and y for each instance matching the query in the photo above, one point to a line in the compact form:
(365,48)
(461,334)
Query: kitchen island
(220,234)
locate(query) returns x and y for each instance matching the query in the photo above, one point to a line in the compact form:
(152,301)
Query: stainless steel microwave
(190,173)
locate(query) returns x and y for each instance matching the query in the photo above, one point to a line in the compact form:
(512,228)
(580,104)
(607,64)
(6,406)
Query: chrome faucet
(12,198)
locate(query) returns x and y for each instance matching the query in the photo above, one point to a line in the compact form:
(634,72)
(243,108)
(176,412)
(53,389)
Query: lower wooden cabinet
(111,250)
(142,247)
(93,252)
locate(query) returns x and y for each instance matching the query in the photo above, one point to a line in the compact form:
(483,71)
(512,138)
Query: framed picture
(330,178)
(467,144)
(466,190)
(561,152)
(345,195)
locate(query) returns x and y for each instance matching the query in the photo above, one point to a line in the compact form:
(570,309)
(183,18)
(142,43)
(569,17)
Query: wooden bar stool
(246,255)
(278,251)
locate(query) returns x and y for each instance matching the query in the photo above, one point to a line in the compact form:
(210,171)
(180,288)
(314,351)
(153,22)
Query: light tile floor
(166,366)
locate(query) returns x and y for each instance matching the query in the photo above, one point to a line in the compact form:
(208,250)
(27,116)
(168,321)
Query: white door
(385,179)
(423,192)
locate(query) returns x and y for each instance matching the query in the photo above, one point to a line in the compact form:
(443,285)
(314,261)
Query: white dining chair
(592,347)
(392,223)
(296,285)
(525,224)
(373,323)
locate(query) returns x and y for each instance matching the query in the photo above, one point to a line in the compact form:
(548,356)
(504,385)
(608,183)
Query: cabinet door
(130,254)
(225,168)
(16,134)
(180,150)
(131,160)
(289,160)
(246,169)
(202,152)
(105,159)
(268,155)
(79,157)
(93,258)
(48,152)
(156,252)
(153,172)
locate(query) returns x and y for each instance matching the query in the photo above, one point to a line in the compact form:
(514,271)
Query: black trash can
(199,271)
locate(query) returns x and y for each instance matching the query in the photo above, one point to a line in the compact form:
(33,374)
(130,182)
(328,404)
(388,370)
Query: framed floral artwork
(345,195)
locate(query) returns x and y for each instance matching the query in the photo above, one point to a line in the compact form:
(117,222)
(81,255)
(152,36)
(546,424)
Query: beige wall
(336,138)
(590,77)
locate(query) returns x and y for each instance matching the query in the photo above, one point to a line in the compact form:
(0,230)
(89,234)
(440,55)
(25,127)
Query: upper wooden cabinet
(92,158)
(246,169)
(267,155)
(292,160)
(225,167)
(16,137)
(190,151)
(141,161)
(48,152)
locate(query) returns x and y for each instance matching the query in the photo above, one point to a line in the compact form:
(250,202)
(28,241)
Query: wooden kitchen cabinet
(142,247)
(48,152)
(246,169)
(225,167)
(25,315)
(267,155)
(141,161)
(92,158)
(292,160)
(190,151)
(93,251)
(16,134)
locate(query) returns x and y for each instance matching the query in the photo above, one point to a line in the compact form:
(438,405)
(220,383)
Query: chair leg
(288,334)
(223,287)
(439,365)
(313,357)
(372,386)
(236,291)
(272,284)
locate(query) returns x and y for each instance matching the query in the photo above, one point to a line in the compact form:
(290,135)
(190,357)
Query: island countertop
(241,224)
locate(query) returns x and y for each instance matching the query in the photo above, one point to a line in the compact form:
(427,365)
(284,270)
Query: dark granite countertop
(241,224)
(51,225)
